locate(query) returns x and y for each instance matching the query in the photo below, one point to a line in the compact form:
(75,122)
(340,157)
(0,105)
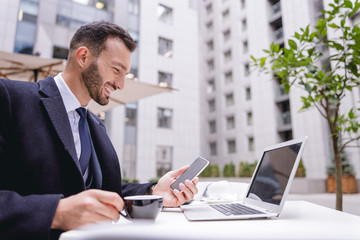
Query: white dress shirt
(71,104)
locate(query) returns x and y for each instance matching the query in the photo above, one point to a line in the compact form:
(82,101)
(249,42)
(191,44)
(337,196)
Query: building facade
(221,107)
(244,110)
(153,135)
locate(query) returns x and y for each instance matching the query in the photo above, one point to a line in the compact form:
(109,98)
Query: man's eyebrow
(121,66)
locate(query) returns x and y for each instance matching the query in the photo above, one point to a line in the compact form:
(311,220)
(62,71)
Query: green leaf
(274,47)
(287,88)
(333,25)
(343,23)
(312,35)
(310,51)
(323,32)
(351,114)
(348,4)
(292,44)
(262,61)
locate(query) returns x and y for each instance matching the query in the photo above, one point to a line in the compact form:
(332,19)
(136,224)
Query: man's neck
(77,87)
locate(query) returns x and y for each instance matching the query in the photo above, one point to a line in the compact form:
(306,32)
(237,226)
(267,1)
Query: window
(243,25)
(242,4)
(227,56)
(130,115)
(230,122)
(209,9)
(165,79)
(249,119)
(245,47)
(164,159)
(229,100)
(209,26)
(227,35)
(356,19)
(133,7)
(210,45)
(213,148)
(211,104)
(248,93)
(212,126)
(211,86)
(231,144)
(226,15)
(59,52)
(251,144)
(165,117)
(279,33)
(165,47)
(26,27)
(228,77)
(211,65)
(165,14)
(247,69)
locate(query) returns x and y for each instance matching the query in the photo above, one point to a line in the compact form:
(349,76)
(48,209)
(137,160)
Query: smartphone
(194,170)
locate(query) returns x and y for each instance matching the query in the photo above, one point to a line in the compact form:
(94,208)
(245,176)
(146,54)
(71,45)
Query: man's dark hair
(94,35)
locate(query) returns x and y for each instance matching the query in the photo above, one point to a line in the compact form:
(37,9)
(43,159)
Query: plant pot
(349,184)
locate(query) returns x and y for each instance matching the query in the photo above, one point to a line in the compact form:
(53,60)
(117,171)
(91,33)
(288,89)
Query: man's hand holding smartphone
(193,171)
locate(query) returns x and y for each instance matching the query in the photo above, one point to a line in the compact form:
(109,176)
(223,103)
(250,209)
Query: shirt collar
(70,101)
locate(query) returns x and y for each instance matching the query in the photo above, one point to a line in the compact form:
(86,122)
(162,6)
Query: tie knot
(81,111)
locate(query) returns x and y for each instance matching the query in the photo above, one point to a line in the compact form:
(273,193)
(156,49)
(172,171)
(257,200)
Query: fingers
(179,196)
(87,207)
(189,189)
(109,198)
(177,173)
(107,204)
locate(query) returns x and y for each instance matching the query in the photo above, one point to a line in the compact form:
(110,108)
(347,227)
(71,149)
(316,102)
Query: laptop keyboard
(234,209)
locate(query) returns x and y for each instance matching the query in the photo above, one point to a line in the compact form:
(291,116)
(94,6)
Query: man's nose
(120,83)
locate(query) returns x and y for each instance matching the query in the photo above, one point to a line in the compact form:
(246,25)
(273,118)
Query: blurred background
(220,108)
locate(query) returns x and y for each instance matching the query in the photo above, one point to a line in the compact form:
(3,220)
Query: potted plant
(229,170)
(246,169)
(349,183)
(325,80)
(300,171)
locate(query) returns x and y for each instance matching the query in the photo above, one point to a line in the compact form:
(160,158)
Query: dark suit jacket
(38,163)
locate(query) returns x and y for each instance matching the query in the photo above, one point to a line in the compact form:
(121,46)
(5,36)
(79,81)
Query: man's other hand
(87,207)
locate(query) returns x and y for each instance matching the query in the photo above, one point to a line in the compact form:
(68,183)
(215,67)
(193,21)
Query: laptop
(267,191)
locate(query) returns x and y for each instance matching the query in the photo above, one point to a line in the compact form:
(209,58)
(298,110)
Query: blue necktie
(84,139)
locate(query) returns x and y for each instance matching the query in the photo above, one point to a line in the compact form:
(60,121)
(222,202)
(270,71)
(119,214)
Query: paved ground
(351,202)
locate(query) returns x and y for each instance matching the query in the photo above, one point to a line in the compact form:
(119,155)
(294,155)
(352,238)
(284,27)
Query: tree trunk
(338,173)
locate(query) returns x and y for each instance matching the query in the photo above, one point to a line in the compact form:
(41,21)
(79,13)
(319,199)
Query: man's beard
(93,81)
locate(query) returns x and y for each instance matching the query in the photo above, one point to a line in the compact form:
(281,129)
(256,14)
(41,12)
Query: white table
(298,220)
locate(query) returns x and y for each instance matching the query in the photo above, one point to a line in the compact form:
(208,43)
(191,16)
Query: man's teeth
(108,89)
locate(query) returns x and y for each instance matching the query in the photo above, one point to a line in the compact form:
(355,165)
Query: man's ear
(83,57)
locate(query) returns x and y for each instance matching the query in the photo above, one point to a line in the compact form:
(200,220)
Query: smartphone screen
(194,170)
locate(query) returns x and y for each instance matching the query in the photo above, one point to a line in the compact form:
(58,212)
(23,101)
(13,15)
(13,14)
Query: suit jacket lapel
(55,108)
(106,155)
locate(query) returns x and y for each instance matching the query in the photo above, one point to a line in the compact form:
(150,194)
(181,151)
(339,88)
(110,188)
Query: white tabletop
(298,220)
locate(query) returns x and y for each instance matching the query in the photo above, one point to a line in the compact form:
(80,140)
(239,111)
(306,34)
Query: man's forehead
(118,53)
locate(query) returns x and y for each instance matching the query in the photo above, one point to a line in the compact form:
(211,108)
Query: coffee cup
(142,207)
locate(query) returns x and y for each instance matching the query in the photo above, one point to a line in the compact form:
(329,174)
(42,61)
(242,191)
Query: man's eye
(116,70)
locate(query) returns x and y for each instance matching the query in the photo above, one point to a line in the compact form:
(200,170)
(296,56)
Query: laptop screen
(273,174)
